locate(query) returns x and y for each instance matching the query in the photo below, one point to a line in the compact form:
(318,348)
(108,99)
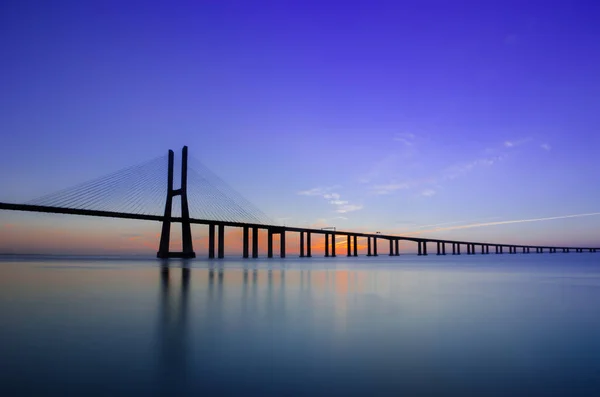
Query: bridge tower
(186,230)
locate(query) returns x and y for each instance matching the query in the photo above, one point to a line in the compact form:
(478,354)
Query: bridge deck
(158,218)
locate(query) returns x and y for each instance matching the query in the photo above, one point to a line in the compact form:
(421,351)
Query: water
(470,325)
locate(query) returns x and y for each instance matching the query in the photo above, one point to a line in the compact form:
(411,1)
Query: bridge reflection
(206,304)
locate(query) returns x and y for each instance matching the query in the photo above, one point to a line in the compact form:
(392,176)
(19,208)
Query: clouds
(333,198)
(428,193)
(418,184)
(517,142)
(342,209)
(388,188)
(460,169)
(472,225)
(318,191)
(405,138)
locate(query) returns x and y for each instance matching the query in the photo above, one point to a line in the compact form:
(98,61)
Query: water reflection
(173,324)
(264,330)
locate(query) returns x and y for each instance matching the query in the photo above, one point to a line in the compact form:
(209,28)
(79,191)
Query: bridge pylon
(186,230)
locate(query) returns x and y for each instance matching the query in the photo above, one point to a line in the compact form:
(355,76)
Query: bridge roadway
(305,251)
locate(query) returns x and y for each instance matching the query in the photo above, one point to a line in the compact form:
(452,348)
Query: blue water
(494,325)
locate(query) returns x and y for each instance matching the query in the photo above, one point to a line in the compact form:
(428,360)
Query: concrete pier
(269,243)
(355,246)
(211,241)
(255,242)
(333,244)
(301,244)
(348,247)
(245,238)
(221,238)
(308,246)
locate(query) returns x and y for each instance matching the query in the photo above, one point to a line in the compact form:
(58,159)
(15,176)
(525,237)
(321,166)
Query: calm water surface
(470,325)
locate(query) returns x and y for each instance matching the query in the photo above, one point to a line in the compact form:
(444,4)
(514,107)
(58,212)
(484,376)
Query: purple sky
(390,116)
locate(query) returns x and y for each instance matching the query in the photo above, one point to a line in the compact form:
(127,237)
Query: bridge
(135,192)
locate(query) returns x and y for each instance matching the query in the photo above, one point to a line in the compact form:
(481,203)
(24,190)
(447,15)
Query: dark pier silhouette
(228,210)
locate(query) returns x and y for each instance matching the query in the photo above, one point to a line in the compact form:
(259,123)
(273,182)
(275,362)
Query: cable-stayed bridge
(140,192)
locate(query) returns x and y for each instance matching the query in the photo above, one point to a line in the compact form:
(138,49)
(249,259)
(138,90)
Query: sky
(472,120)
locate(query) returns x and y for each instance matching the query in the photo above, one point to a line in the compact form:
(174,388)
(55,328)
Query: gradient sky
(401,117)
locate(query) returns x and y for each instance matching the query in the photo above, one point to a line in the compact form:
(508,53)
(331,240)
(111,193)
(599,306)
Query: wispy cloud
(546,146)
(318,191)
(406,138)
(333,198)
(344,208)
(389,188)
(472,225)
(428,193)
(458,170)
(515,143)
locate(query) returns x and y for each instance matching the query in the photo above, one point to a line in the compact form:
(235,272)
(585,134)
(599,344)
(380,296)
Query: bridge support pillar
(420,250)
(355,245)
(308,246)
(391,247)
(468,249)
(439,248)
(333,245)
(397,244)
(457,249)
(282,244)
(453,248)
(211,241)
(348,245)
(269,243)
(245,239)
(424,247)
(326,245)
(186,231)
(221,237)
(369,246)
(443,248)
(255,242)
(301,244)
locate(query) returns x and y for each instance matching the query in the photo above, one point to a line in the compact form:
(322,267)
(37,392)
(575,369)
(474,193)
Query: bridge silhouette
(139,192)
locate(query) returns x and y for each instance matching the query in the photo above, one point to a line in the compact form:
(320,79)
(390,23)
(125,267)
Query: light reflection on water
(427,326)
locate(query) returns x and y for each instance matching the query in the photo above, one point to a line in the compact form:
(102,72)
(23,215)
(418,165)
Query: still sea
(481,325)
